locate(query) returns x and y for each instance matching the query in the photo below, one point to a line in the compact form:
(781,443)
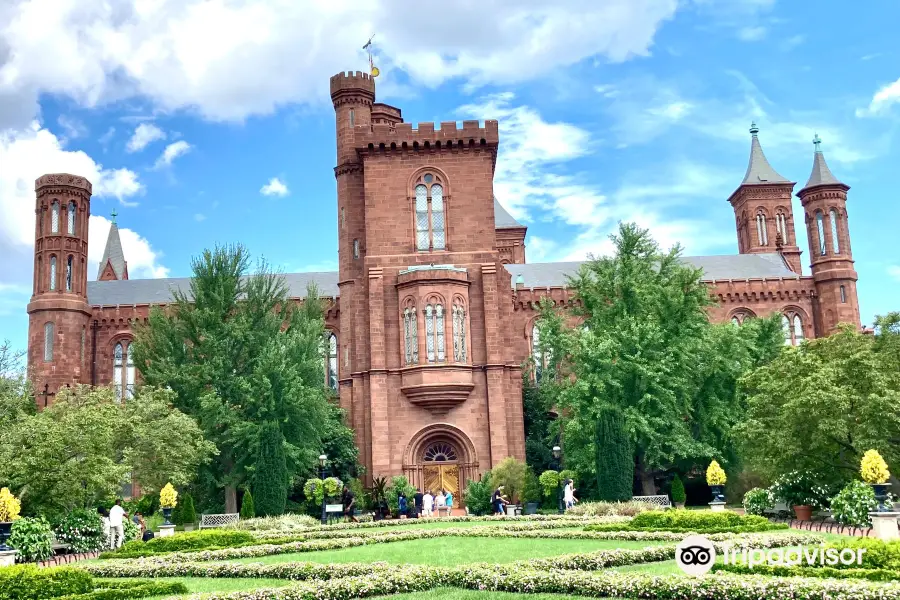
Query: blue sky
(204,122)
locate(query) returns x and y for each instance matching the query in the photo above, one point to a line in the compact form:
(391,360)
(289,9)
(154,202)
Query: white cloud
(144,134)
(275,187)
(172,151)
(143,260)
(72,127)
(218,57)
(884,98)
(751,34)
(107,137)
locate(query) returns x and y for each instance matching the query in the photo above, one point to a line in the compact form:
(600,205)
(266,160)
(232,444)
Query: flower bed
(884,575)
(698,521)
(26,582)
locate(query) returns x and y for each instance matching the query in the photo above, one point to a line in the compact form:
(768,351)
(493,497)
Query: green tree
(79,451)
(188,512)
(615,460)
(270,479)
(820,406)
(678,493)
(238,352)
(646,351)
(248,510)
(511,474)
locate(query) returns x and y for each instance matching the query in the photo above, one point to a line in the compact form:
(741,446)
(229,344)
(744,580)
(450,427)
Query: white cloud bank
(144,135)
(275,187)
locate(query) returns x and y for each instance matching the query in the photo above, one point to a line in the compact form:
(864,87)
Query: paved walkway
(64,559)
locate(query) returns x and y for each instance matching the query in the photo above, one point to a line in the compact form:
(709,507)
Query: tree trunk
(231,506)
(645,476)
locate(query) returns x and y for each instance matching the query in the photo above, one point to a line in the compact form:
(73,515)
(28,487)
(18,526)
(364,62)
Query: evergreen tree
(678,494)
(188,512)
(615,462)
(270,481)
(248,511)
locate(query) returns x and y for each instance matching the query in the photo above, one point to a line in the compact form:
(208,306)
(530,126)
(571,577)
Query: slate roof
(821,174)
(732,266)
(537,275)
(502,219)
(113,253)
(759,171)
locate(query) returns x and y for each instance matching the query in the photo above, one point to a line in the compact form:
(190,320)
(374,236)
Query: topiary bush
(758,500)
(208,539)
(700,521)
(188,512)
(615,460)
(248,511)
(82,530)
(549,481)
(852,505)
(28,582)
(677,492)
(478,495)
(33,538)
(270,482)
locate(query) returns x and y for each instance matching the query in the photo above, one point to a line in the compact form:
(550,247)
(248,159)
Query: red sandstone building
(431,313)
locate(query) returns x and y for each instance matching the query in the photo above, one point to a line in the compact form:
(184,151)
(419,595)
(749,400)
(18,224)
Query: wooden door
(442,477)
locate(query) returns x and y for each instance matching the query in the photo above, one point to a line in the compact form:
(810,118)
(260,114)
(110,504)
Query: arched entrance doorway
(440,457)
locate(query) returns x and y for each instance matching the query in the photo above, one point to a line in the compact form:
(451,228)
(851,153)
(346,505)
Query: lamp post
(322,460)
(557,456)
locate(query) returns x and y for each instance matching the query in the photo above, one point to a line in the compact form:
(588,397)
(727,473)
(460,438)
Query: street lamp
(557,455)
(322,460)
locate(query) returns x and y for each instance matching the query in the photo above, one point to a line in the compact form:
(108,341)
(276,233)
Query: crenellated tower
(58,313)
(824,200)
(762,209)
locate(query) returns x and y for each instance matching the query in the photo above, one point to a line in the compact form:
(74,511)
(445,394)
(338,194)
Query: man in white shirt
(117,530)
(428,504)
(569,494)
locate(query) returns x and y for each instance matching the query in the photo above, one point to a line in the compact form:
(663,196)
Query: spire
(821,174)
(759,171)
(113,265)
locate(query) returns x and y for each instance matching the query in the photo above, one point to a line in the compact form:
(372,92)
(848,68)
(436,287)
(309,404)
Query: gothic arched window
(459,331)
(741,316)
(434,332)
(411,335)
(820,227)
(54,217)
(781,226)
(762,234)
(843,295)
(52,273)
(123,370)
(792,328)
(49,334)
(69,273)
(430,214)
(835,244)
(330,361)
(70,217)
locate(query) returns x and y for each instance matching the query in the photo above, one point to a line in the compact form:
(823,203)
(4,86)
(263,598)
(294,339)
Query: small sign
(334,508)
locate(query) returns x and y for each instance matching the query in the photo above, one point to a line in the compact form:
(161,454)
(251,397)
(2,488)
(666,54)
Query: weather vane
(368,48)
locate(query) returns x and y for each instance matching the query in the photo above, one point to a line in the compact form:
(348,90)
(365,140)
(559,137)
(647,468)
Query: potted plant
(798,489)
(9,512)
(715,479)
(875,472)
(679,496)
(168,499)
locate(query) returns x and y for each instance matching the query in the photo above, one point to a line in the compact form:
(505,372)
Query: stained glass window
(422,233)
(70,215)
(49,334)
(820,225)
(54,217)
(835,244)
(52,273)
(439,452)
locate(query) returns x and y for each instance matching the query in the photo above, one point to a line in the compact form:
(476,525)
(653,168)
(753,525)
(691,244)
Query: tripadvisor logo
(696,555)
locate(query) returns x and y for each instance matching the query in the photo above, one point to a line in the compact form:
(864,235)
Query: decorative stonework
(63,180)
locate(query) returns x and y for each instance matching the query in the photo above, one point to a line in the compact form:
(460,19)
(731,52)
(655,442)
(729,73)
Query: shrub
(604,509)
(873,468)
(715,474)
(82,530)
(852,505)
(184,542)
(700,521)
(333,487)
(168,497)
(758,500)
(878,555)
(885,575)
(270,482)
(399,483)
(28,582)
(248,511)
(615,460)
(130,530)
(478,495)
(33,538)
(677,492)
(549,481)
(283,523)
(9,506)
(510,473)
(188,513)
(799,488)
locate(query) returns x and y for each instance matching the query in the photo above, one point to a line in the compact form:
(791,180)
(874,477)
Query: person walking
(449,499)
(107,532)
(348,499)
(418,501)
(569,494)
(116,528)
(428,503)
(440,502)
(403,504)
(498,501)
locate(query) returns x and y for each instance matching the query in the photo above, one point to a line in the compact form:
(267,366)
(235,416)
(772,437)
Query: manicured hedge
(28,582)
(184,542)
(885,575)
(129,590)
(700,521)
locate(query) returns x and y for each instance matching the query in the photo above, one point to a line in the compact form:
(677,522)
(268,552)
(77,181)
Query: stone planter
(5,530)
(803,512)
(881,495)
(718,493)
(167,513)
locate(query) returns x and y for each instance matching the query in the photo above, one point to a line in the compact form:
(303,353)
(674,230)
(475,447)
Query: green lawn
(453,551)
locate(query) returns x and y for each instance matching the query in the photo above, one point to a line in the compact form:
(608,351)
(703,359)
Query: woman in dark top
(497,501)
(349,505)
(401,500)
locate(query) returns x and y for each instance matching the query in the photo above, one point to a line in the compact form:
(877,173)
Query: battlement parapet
(63,180)
(403,136)
(352,83)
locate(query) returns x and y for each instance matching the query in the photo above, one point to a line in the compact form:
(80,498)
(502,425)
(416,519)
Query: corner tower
(59,312)
(762,209)
(824,200)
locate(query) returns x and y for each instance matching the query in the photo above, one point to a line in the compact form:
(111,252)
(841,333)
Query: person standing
(419,501)
(107,532)
(498,501)
(116,528)
(449,499)
(569,494)
(428,503)
(403,504)
(349,501)
(440,502)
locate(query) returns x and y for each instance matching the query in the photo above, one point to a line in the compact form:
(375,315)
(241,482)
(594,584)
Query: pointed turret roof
(759,171)
(821,174)
(502,218)
(113,254)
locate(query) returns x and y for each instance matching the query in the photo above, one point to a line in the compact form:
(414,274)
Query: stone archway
(440,456)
